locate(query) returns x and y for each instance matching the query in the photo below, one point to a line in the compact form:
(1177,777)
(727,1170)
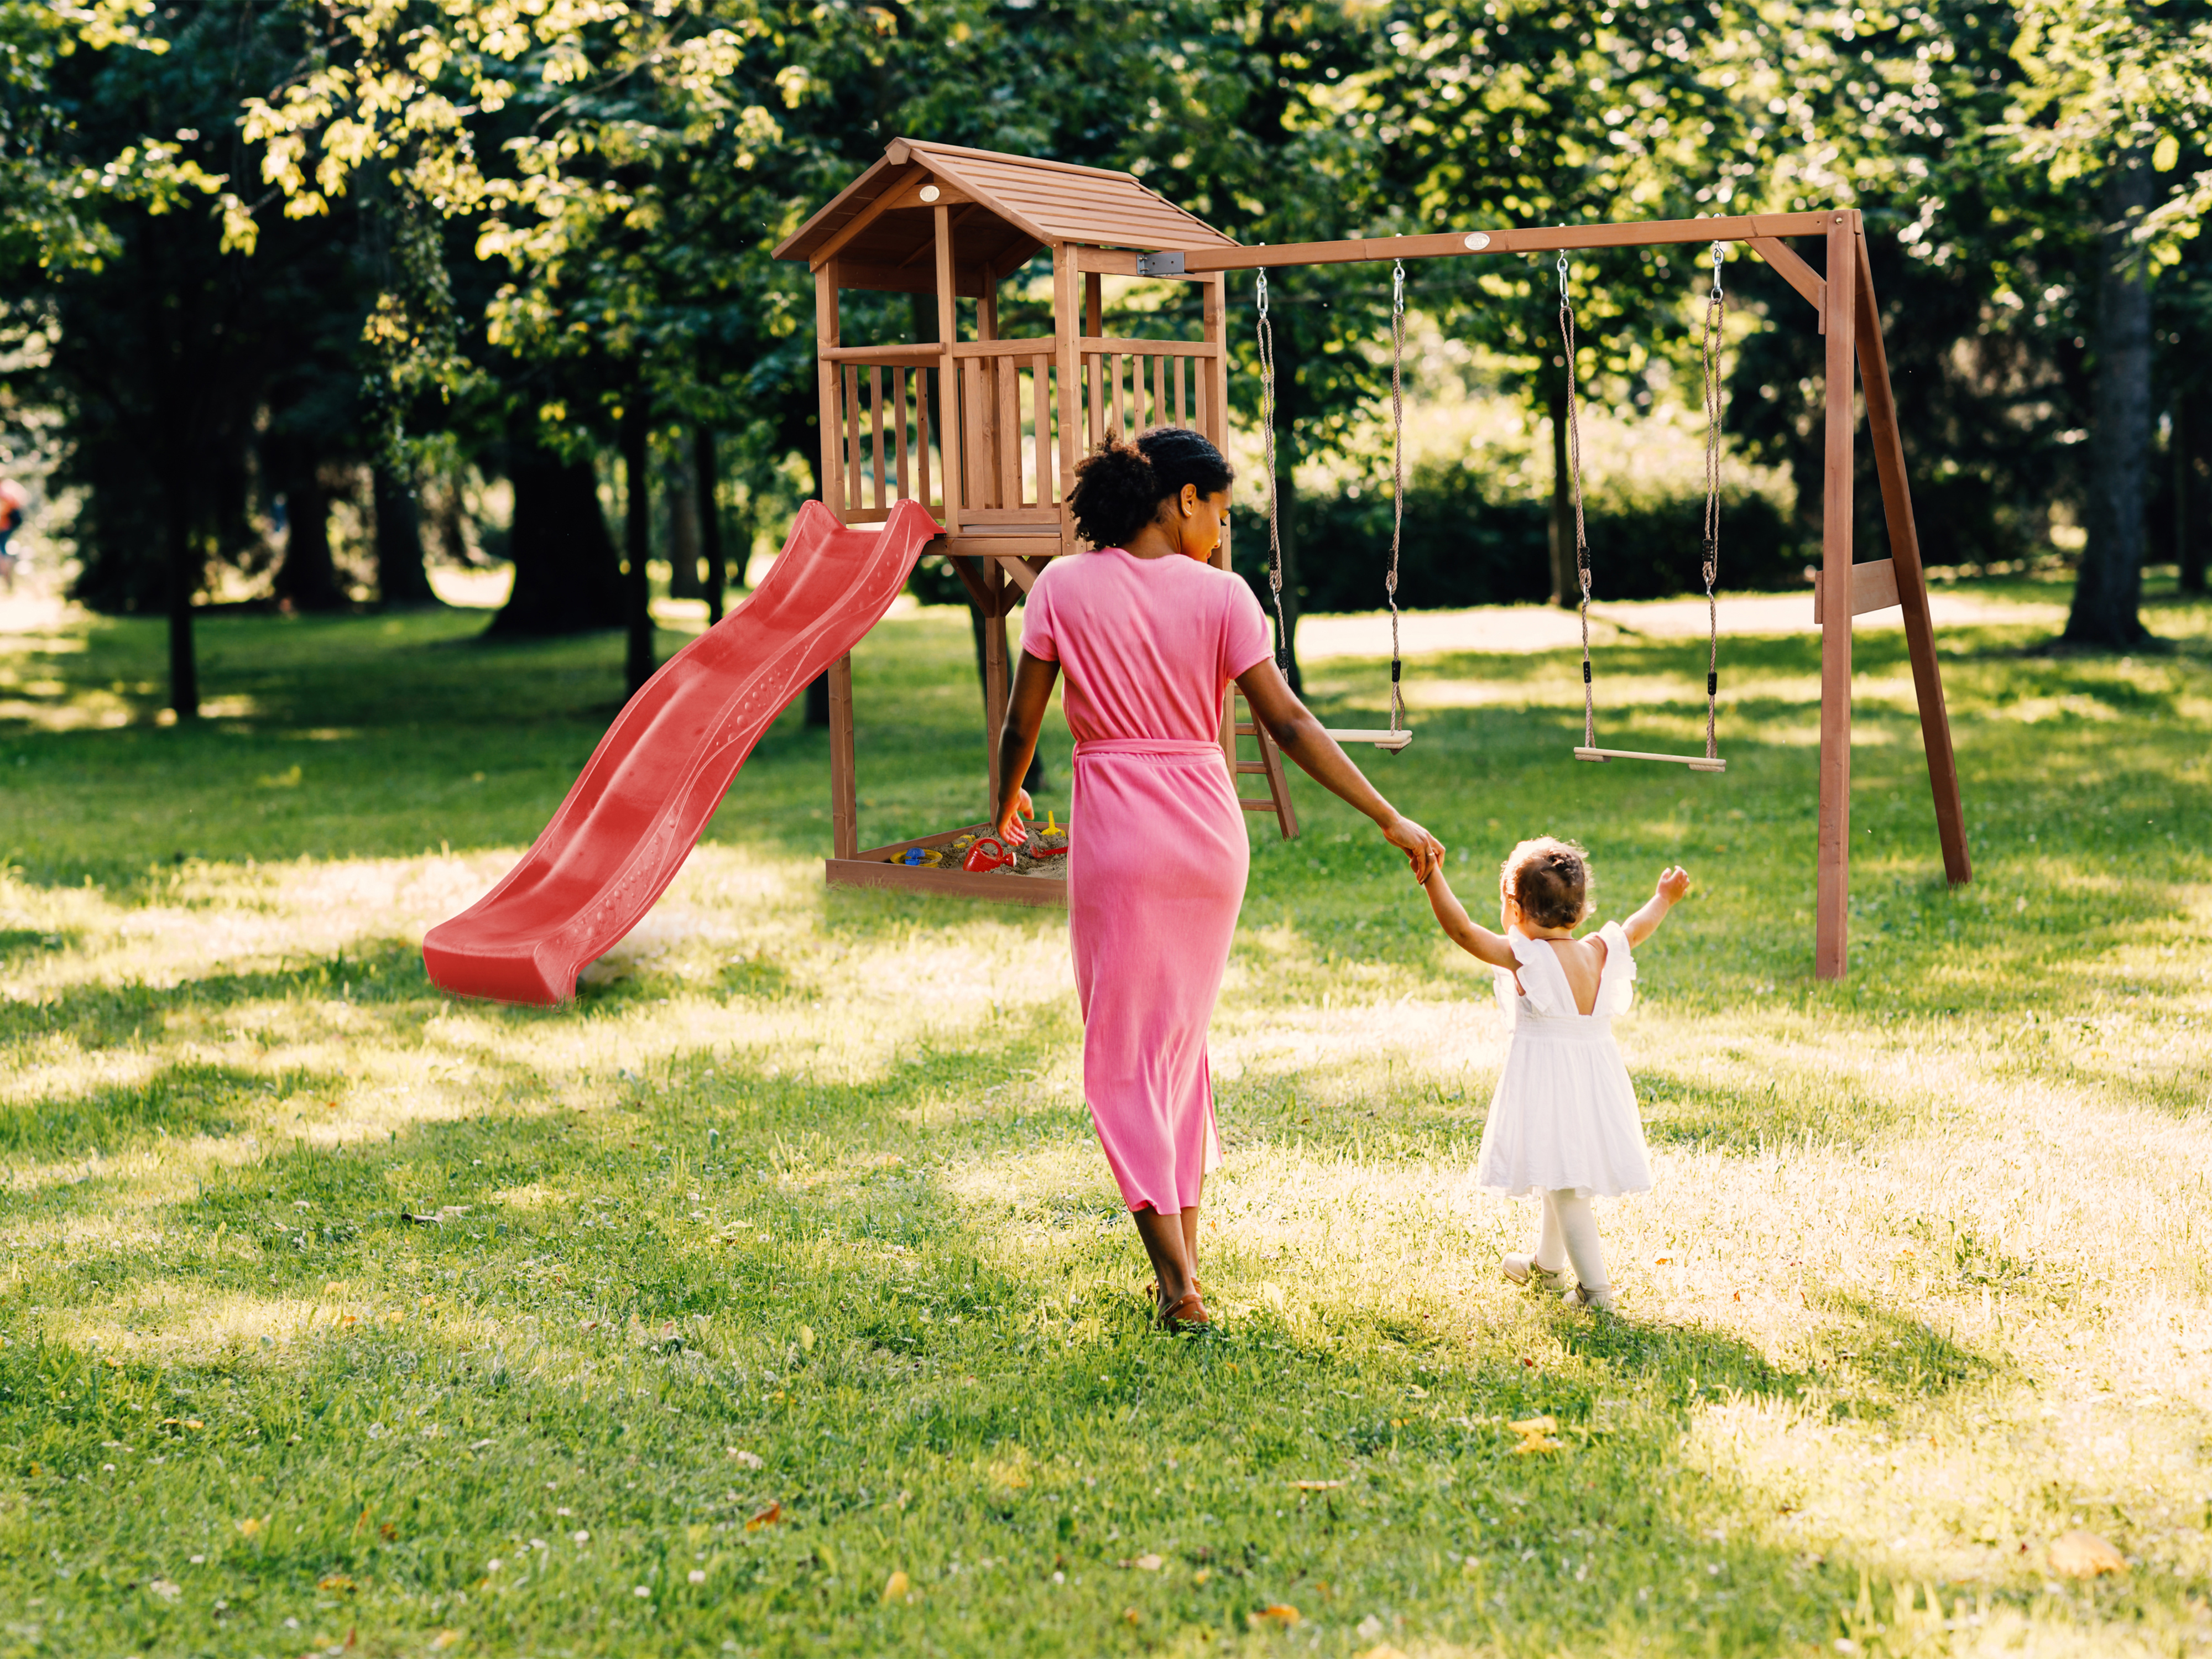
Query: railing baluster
(853,500)
(876,420)
(921,434)
(1040,400)
(899,426)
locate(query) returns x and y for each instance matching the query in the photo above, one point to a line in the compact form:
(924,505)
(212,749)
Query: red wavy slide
(647,793)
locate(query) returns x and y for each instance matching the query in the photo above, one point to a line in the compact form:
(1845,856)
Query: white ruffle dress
(1564,1113)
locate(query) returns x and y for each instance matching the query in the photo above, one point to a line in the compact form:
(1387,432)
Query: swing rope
(1716,315)
(1575,481)
(1275,525)
(1397,477)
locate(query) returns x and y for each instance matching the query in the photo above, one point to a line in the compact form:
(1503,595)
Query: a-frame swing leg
(1832,904)
(1911,580)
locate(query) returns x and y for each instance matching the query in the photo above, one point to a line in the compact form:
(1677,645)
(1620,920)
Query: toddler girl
(1562,1123)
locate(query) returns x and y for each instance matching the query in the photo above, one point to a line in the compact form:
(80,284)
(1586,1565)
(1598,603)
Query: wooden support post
(826,372)
(1882,432)
(1067,327)
(844,793)
(995,670)
(1831,913)
(948,378)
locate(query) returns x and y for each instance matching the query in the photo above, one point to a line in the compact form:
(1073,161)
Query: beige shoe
(1523,1268)
(1583,1296)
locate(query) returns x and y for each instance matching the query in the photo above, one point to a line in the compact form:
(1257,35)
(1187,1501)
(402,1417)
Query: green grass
(679,1320)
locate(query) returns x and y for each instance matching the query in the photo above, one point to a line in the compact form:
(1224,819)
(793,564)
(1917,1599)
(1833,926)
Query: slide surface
(647,793)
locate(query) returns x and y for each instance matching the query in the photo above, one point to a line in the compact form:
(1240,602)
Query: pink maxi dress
(1157,858)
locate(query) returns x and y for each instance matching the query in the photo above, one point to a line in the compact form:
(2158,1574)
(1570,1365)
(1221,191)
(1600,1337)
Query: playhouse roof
(1008,207)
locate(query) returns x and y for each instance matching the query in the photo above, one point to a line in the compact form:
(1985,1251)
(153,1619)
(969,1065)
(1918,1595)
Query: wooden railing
(884,395)
(1129,384)
(891,413)
(1009,431)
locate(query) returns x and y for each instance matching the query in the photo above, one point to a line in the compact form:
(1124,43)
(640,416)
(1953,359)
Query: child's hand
(1674,883)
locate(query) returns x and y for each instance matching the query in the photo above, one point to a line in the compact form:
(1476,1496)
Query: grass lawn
(774,1298)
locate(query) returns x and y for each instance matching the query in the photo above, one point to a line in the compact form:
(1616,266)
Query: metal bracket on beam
(1160,264)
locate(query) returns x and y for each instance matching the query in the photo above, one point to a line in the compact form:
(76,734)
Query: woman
(1151,634)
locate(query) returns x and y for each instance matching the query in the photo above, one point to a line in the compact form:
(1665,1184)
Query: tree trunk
(1286,501)
(400,578)
(682,497)
(2108,591)
(637,540)
(705,475)
(184,573)
(1566,582)
(307,579)
(566,578)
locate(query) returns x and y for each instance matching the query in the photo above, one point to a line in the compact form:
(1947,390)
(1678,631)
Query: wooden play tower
(985,431)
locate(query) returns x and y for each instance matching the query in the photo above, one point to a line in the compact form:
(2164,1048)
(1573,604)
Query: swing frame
(1843,300)
(985,432)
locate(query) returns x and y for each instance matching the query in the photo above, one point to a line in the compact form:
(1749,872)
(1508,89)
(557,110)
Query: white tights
(1570,1231)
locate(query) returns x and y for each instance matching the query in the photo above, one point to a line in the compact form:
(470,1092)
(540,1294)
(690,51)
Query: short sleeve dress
(1565,1113)
(1157,855)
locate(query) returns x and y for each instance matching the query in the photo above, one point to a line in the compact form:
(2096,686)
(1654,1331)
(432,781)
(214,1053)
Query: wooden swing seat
(1695,762)
(1393,741)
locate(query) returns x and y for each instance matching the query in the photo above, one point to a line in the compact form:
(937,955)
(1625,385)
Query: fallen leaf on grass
(444,1639)
(897,1586)
(252,1525)
(2084,1555)
(767,1517)
(1280,1613)
(336,1581)
(749,1459)
(1143,1563)
(168,1589)
(1315,1485)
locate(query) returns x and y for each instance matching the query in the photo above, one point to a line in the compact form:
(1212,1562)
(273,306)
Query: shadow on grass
(1702,1116)
(190,1098)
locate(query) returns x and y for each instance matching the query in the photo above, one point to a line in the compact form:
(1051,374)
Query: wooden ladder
(1236,722)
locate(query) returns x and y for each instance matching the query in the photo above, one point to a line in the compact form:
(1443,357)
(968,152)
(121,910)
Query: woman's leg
(1577,1225)
(1190,1229)
(1164,1243)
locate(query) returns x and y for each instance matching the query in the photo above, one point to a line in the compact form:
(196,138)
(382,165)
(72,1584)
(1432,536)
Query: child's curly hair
(1550,880)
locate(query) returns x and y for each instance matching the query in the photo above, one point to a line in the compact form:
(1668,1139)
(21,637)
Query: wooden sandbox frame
(931,219)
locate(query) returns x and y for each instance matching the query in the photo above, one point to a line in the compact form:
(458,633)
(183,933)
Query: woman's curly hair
(1120,485)
(1549,879)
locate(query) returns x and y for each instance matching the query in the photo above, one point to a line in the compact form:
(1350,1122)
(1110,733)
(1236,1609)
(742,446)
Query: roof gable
(1009,206)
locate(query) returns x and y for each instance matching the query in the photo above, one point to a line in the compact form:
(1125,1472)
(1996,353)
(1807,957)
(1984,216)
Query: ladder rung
(1251,766)
(1695,762)
(1244,731)
(1265,804)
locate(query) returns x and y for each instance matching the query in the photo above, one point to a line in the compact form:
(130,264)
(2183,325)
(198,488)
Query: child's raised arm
(1471,936)
(1673,882)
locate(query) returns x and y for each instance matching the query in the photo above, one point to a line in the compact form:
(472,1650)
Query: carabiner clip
(1263,293)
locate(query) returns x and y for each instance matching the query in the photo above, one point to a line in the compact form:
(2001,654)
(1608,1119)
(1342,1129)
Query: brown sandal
(1189,1314)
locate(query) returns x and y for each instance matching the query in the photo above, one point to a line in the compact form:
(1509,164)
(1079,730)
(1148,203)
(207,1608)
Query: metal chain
(1575,478)
(1268,426)
(1397,475)
(1716,315)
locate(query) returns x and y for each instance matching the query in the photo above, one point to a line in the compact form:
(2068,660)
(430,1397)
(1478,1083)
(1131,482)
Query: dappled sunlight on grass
(796,1210)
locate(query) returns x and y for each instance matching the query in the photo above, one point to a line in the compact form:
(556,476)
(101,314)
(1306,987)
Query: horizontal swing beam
(1737,228)
(1695,762)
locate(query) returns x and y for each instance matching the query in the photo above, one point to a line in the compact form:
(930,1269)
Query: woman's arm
(1034,678)
(1673,883)
(1470,935)
(1299,735)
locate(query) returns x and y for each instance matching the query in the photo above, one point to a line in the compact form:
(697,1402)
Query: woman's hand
(1422,851)
(1009,826)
